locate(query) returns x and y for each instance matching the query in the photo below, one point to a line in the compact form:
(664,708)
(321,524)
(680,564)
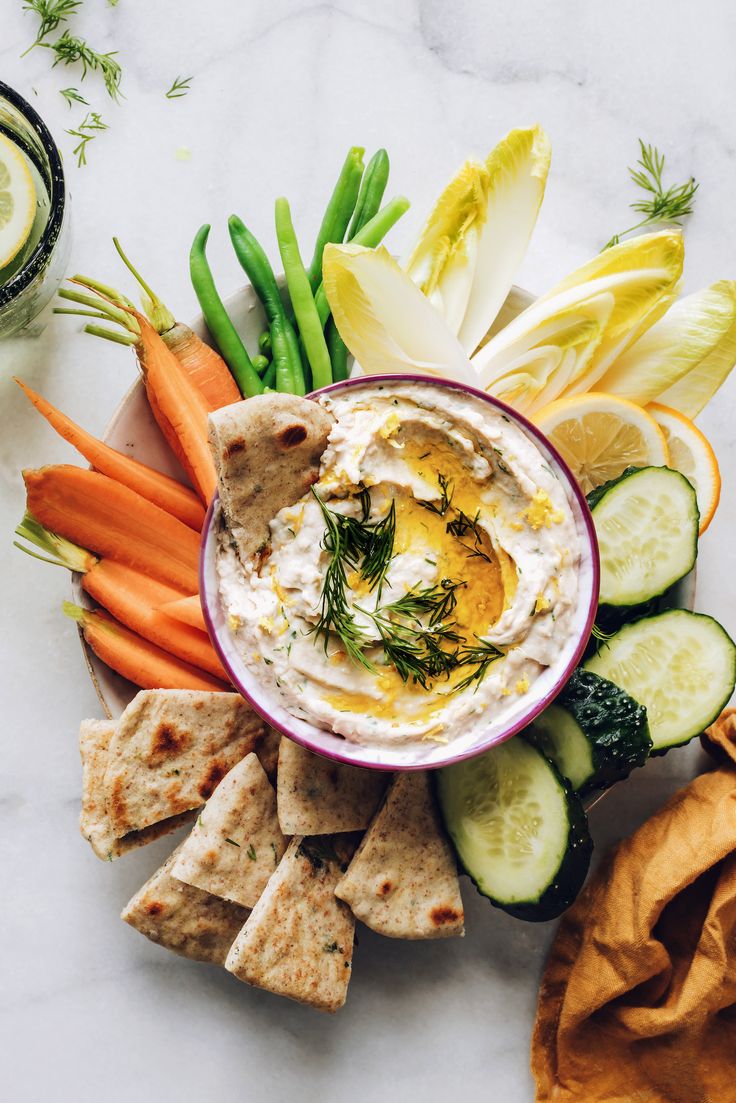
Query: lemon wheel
(599,436)
(17,201)
(691,454)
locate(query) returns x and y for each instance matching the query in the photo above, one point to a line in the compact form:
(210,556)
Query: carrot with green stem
(128,595)
(182,405)
(200,361)
(112,520)
(138,660)
(160,489)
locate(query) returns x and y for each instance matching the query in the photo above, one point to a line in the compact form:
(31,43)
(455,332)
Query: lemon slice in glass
(600,435)
(17,201)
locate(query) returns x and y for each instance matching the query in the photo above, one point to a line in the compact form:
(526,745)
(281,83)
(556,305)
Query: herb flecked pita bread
(298,940)
(94,823)
(170,749)
(236,843)
(317,796)
(267,453)
(184,919)
(403,879)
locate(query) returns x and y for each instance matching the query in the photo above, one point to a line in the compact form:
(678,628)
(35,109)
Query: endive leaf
(690,393)
(385,320)
(698,333)
(477,234)
(589,317)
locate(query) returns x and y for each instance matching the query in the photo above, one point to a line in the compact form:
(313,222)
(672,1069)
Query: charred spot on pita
(442,915)
(215,773)
(168,741)
(233,448)
(292,435)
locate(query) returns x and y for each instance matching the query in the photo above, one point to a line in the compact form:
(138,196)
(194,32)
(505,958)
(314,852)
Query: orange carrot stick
(206,368)
(188,610)
(110,519)
(160,489)
(138,660)
(133,599)
(183,406)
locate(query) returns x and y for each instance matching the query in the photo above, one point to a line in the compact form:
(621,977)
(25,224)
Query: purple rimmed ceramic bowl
(420,755)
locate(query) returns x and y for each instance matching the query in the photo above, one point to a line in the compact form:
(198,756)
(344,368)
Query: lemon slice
(692,455)
(599,436)
(17,200)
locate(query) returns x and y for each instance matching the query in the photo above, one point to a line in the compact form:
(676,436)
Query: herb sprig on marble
(659,204)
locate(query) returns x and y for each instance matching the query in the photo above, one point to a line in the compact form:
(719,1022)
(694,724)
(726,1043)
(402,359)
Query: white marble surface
(89,1009)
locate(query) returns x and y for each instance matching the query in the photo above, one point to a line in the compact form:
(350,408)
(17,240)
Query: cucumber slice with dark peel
(646,522)
(595,733)
(519,830)
(681,666)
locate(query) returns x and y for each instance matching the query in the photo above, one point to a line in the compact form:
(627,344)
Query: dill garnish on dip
(425,581)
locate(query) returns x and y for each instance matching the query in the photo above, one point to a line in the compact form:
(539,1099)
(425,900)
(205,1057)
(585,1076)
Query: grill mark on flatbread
(94,823)
(184,919)
(319,797)
(403,880)
(267,454)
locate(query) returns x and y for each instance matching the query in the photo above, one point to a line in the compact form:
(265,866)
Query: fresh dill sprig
(660,204)
(71,95)
(446,491)
(50,14)
(480,655)
(379,549)
(69,49)
(179,88)
(461,526)
(86,132)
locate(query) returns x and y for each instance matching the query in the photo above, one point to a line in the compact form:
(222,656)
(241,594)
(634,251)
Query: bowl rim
(209,542)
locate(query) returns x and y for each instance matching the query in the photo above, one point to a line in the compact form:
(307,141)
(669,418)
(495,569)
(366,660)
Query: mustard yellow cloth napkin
(638,998)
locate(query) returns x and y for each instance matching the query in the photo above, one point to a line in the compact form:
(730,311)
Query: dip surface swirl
(478,515)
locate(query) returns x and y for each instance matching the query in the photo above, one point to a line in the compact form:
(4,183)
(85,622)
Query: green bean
(338,351)
(256,266)
(286,374)
(264,343)
(295,354)
(218,320)
(372,187)
(370,236)
(302,300)
(269,377)
(260,363)
(339,210)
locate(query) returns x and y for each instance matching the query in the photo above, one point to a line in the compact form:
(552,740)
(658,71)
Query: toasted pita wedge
(183,919)
(403,879)
(298,940)
(267,453)
(236,844)
(170,749)
(268,752)
(317,796)
(94,741)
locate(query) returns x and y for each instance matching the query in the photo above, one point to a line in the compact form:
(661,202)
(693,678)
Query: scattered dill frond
(86,132)
(446,491)
(69,49)
(480,656)
(50,14)
(461,527)
(659,204)
(179,88)
(71,95)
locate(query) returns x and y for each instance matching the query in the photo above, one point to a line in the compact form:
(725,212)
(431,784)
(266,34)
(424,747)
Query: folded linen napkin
(638,998)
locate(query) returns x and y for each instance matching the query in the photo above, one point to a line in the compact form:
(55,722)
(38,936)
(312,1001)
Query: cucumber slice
(595,733)
(646,522)
(519,830)
(681,666)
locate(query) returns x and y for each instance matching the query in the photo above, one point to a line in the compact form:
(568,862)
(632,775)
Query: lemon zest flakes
(267,625)
(505,691)
(390,426)
(233,622)
(541,512)
(522,685)
(433,736)
(542,604)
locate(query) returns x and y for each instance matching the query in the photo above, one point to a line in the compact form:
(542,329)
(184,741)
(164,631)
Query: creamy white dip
(516,567)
